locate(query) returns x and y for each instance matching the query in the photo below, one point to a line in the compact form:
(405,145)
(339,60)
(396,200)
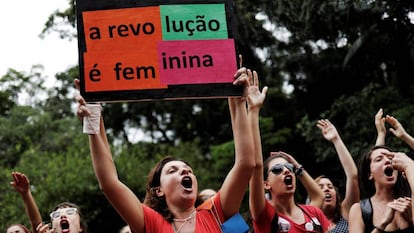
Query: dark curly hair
(153,183)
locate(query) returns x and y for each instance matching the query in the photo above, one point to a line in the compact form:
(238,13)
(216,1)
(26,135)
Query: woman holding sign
(172,186)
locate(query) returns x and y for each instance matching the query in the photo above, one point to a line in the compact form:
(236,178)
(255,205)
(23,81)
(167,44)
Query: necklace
(183,221)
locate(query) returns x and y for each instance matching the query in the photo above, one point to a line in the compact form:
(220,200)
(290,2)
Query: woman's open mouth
(288,180)
(328,197)
(388,171)
(187,182)
(64,224)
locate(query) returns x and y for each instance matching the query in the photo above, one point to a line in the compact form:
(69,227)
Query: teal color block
(193,22)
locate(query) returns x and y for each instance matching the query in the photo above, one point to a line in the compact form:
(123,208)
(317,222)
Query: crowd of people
(173,203)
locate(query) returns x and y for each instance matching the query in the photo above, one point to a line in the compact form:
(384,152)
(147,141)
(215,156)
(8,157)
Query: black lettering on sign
(130,73)
(124,30)
(186,61)
(199,25)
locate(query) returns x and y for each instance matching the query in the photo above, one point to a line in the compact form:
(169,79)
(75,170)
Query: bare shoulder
(355,211)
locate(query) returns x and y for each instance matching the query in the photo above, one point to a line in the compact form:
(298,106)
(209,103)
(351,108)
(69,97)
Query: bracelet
(379,229)
(299,171)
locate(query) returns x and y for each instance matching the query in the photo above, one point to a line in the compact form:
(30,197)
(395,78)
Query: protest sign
(151,50)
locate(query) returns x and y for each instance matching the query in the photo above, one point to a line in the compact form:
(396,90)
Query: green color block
(193,22)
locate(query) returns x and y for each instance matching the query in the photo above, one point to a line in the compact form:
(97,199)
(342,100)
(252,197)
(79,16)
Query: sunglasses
(278,168)
(59,212)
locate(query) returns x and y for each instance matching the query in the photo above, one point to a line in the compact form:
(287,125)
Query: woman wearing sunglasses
(277,175)
(281,213)
(172,186)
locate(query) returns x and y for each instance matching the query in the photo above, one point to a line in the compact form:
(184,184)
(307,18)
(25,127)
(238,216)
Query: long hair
(153,183)
(401,187)
(337,210)
(82,221)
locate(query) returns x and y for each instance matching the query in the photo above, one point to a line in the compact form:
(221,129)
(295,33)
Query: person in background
(315,196)
(334,208)
(21,184)
(205,195)
(169,205)
(277,175)
(17,228)
(66,217)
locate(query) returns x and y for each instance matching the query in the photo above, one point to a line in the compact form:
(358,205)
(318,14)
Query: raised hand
(397,129)
(20,182)
(328,130)
(82,110)
(44,228)
(250,82)
(255,97)
(380,126)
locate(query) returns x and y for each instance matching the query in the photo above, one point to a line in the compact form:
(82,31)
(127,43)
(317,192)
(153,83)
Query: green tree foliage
(335,54)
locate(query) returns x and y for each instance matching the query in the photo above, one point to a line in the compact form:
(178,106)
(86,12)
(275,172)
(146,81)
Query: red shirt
(205,220)
(314,218)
